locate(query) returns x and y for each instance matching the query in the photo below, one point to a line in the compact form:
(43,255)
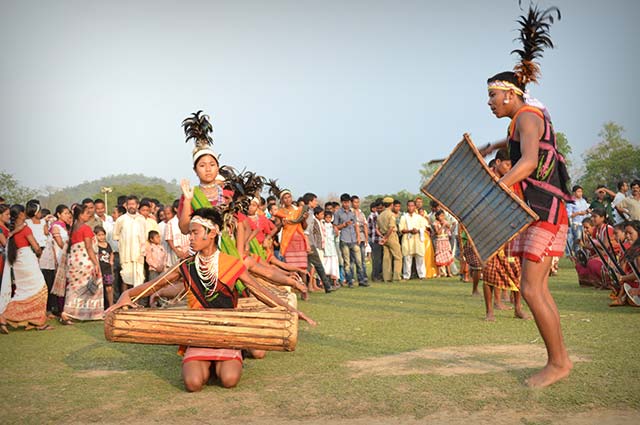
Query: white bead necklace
(207,269)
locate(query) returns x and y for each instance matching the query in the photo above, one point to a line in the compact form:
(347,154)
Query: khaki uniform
(391,249)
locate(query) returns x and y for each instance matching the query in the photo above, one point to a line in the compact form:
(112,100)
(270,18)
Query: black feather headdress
(535,37)
(198,128)
(245,186)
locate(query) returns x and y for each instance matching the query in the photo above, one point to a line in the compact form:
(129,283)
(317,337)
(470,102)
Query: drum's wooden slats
(466,167)
(479,222)
(462,186)
(236,324)
(273,329)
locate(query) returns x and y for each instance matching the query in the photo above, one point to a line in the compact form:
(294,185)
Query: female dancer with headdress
(212,280)
(540,175)
(240,188)
(28,306)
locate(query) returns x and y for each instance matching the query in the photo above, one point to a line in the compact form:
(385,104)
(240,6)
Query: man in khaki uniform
(390,243)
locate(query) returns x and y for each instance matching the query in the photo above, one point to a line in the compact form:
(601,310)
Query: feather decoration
(198,128)
(535,37)
(274,189)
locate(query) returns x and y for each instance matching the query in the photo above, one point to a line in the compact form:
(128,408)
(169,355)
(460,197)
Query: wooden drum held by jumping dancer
(491,213)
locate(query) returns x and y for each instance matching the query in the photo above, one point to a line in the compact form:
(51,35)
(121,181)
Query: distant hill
(69,195)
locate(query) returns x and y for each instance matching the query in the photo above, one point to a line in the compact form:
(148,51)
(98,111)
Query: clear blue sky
(326,96)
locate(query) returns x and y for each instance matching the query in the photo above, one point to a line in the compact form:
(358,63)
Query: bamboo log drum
(273,329)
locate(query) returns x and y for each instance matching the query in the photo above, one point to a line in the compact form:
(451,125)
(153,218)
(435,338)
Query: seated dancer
(589,267)
(604,241)
(210,193)
(212,279)
(630,263)
(540,174)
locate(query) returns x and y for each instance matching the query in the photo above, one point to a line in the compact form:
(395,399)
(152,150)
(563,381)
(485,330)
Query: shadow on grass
(104,356)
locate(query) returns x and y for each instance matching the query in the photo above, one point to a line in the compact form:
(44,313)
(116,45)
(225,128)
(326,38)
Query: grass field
(411,352)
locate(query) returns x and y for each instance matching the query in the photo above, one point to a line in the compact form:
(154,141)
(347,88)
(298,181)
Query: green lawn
(368,357)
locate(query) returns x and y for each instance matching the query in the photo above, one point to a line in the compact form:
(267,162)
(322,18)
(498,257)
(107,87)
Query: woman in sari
(28,307)
(293,245)
(84,294)
(429,251)
(4,235)
(51,257)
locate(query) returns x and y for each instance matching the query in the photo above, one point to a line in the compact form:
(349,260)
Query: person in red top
(5,217)
(212,280)
(84,293)
(540,174)
(28,306)
(261,226)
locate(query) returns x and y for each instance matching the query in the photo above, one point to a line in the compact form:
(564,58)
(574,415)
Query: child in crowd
(330,257)
(105,258)
(444,254)
(156,255)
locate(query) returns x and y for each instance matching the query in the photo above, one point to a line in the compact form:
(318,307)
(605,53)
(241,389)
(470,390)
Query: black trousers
(376,261)
(314,260)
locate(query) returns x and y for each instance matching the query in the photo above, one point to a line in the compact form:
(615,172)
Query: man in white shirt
(577,211)
(130,232)
(413,227)
(106,221)
(630,206)
(623,188)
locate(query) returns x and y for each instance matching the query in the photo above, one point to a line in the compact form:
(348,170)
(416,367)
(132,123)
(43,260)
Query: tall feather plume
(245,185)
(535,37)
(198,128)
(274,189)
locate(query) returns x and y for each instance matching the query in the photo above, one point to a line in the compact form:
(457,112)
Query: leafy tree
(613,159)
(156,191)
(13,192)
(564,147)
(427,171)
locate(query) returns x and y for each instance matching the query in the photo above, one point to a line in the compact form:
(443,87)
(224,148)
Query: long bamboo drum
(491,212)
(274,329)
(283,292)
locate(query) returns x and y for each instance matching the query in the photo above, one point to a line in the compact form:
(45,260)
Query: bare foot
(519,314)
(475,294)
(490,318)
(550,374)
(501,306)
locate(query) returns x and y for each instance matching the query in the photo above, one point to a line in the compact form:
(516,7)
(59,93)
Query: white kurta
(130,232)
(413,244)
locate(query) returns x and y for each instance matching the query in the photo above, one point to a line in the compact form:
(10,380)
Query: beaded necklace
(207,270)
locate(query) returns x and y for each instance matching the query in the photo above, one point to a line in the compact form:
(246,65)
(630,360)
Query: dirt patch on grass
(488,417)
(451,361)
(98,373)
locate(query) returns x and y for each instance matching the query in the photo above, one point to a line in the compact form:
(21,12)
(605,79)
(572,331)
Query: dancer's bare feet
(490,317)
(520,314)
(500,306)
(549,375)
(475,293)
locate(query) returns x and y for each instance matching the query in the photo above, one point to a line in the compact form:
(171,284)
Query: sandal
(45,328)
(65,322)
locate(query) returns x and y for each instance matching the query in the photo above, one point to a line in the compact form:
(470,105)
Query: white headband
(204,222)
(199,152)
